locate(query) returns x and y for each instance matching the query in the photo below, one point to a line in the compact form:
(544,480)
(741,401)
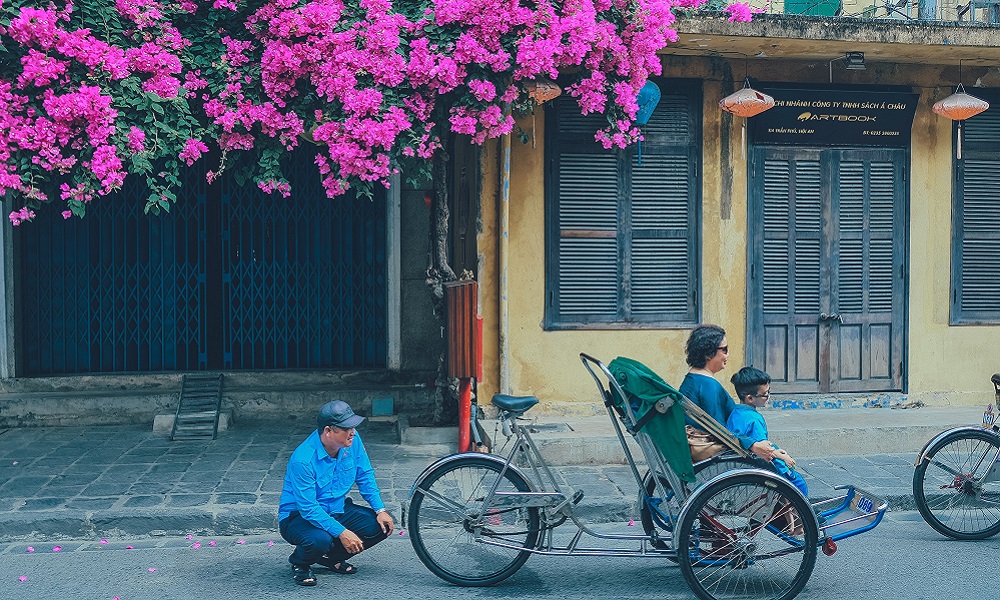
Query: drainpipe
(503,238)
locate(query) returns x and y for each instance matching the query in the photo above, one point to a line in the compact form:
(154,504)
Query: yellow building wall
(945,365)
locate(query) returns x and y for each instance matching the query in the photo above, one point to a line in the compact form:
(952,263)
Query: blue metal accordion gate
(229,279)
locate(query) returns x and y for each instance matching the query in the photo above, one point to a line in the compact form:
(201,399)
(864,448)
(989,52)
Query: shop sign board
(836,118)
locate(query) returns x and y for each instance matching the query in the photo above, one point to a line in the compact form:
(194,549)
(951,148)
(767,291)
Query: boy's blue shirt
(746,422)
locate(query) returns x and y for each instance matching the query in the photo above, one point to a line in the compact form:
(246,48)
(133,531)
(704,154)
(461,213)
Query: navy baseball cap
(339,413)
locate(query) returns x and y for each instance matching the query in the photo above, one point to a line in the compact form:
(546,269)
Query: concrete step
(804,433)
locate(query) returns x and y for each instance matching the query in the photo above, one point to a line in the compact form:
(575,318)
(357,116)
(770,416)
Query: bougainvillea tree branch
(94,92)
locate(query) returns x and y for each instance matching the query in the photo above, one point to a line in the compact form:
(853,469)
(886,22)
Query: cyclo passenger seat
(514,404)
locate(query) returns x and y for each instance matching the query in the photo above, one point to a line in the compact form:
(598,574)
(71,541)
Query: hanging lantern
(648,98)
(542,90)
(746,102)
(959,107)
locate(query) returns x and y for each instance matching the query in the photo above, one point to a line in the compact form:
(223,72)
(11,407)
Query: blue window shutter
(621,237)
(976,219)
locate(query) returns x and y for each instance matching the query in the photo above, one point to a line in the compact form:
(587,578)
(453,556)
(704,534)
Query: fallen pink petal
(270,543)
(402,531)
(196,545)
(152,570)
(56,548)
(30,549)
(631,522)
(128,547)
(104,541)
(241,542)
(22,578)
(14,463)
(189,536)
(212,543)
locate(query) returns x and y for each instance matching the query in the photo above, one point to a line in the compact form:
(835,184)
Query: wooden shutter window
(976,220)
(620,237)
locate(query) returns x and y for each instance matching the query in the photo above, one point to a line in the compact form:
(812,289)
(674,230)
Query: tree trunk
(439,272)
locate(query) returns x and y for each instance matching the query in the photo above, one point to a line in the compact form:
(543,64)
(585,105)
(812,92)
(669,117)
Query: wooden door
(826,302)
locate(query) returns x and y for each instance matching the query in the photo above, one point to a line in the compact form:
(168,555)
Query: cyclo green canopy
(644,389)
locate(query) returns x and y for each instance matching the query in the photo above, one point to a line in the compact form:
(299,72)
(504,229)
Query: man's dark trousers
(311,542)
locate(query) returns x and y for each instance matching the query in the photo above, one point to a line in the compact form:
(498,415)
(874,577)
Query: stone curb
(256,520)
(138,523)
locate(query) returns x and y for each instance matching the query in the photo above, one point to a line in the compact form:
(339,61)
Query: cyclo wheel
(747,535)
(948,487)
(703,471)
(447,507)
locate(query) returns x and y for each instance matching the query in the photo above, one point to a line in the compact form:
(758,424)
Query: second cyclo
(956,483)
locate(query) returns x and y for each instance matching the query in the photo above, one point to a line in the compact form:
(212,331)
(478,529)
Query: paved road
(902,558)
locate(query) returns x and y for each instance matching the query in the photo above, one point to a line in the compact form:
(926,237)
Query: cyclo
(956,483)
(736,528)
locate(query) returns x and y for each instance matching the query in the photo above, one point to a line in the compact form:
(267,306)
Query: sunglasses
(725,349)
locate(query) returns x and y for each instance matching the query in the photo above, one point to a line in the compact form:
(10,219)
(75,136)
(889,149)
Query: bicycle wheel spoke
(748,540)
(449,523)
(955,488)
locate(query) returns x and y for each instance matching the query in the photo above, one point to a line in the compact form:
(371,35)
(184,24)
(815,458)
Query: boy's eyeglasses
(764,396)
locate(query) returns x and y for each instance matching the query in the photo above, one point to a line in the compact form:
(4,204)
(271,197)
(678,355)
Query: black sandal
(302,574)
(343,567)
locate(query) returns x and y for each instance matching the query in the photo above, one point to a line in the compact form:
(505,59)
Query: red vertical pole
(464,412)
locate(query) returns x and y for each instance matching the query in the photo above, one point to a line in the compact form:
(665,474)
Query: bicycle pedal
(577,496)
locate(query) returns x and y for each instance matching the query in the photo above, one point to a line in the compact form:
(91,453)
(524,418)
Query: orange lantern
(746,102)
(959,107)
(542,90)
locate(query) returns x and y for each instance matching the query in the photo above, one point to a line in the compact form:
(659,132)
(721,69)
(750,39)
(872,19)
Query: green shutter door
(785,275)
(826,278)
(867,339)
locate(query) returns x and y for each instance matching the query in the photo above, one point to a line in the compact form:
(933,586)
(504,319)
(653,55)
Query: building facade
(845,239)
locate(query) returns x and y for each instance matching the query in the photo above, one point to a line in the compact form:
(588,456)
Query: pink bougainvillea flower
(270,543)
(22,578)
(196,545)
(402,531)
(189,536)
(212,543)
(740,12)
(631,522)
(31,549)
(56,548)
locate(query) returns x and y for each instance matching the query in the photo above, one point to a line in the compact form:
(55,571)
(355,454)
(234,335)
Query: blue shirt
(317,483)
(746,422)
(709,394)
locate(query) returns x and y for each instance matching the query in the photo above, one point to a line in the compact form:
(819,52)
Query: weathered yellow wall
(946,364)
